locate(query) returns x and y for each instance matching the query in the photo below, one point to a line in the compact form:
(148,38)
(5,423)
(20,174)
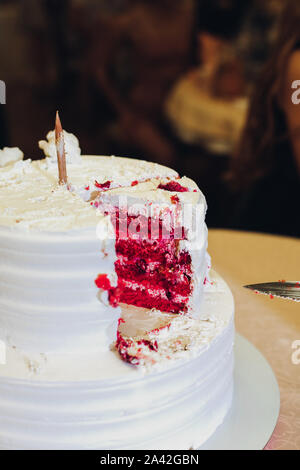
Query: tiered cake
(116,335)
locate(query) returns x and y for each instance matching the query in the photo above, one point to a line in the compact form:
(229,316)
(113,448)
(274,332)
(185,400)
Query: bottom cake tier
(97,401)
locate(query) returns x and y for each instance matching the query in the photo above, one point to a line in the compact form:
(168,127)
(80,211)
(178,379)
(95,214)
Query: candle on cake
(60,150)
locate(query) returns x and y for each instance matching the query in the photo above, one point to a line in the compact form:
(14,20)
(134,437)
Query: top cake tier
(56,241)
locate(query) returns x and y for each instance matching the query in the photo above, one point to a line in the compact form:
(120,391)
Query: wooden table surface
(272,325)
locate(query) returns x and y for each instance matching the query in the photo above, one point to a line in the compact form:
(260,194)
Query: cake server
(284,289)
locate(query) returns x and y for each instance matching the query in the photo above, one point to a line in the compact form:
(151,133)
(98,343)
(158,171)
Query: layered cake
(117,333)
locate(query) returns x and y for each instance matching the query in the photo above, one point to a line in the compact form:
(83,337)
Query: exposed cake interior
(153,271)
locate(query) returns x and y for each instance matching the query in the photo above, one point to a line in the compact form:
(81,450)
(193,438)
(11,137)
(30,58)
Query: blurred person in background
(208,104)
(265,171)
(247,27)
(204,106)
(256,35)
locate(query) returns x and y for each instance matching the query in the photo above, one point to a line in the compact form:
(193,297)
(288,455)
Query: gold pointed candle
(60,150)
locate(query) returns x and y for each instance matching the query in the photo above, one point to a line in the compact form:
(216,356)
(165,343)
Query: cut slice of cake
(161,242)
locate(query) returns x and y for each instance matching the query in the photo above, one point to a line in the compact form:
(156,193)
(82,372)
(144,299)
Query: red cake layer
(160,275)
(152,273)
(173,186)
(152,296)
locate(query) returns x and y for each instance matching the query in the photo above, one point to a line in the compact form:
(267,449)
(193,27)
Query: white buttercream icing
(119,171)
(72,149)
(10,155)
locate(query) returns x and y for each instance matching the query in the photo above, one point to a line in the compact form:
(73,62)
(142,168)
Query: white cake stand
(256,403)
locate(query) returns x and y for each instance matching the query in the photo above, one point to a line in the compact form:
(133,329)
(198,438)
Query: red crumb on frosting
(87,188)
(102,282)
(158,330)
(123,347)
(175,199)
(105,185)
(173,186)
(152,345)
(134,183)
(114,296)
(271,296)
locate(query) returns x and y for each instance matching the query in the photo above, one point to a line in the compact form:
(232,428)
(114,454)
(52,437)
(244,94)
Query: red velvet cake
(81,372)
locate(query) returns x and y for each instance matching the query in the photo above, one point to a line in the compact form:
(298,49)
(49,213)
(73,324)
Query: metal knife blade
(284,289)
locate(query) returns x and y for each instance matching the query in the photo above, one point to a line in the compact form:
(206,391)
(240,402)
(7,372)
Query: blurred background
(203,86)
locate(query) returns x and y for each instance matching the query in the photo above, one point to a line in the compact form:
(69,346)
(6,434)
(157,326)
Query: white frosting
(95,401)
(10,155)
(120,171)
(48,298)
(31,199)
(72,149)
